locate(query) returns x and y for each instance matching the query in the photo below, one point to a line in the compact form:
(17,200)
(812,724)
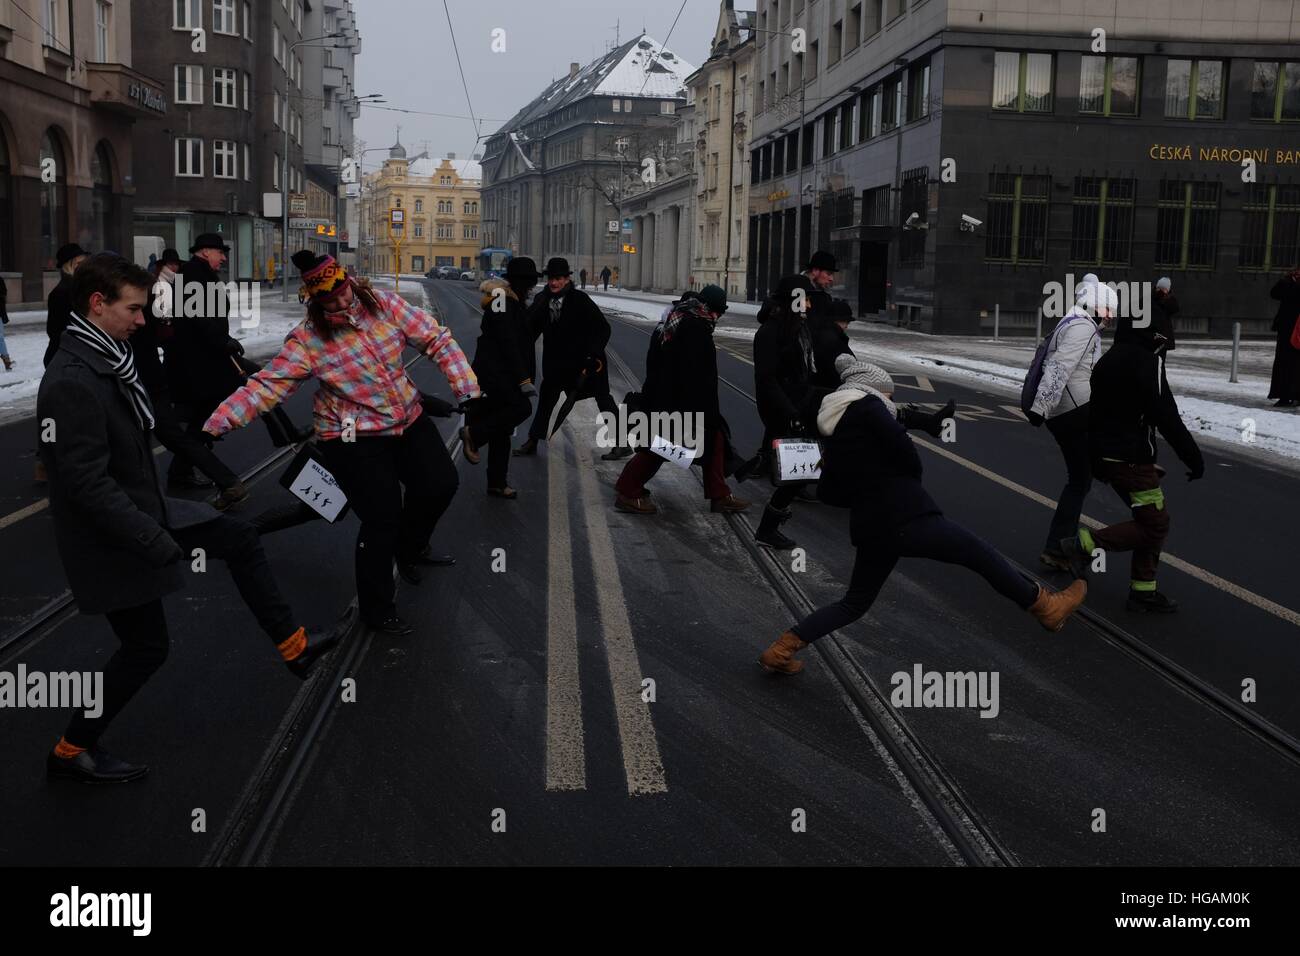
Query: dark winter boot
(909,416)
(527,448)
(769,529)
(1151,602)
(1077,552)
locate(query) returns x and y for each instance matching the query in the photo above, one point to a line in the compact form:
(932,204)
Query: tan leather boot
(780,656)
(1053,607)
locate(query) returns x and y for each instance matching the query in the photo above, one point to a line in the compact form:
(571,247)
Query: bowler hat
(209,240)
(824,261)
(521,267)
(169,255)
(69,252)
(557,267)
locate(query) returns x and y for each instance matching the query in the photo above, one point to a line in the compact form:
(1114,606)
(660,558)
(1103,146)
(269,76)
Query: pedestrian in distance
(122,543)
(58,304)
(189,451)
(369,420)
(604,277)
(582,276)
(1284,385)
(1061,400)
(1166,307)
(505,363)
(574,333)
(682,379)
(1131,401)
(870,466)
(4,320)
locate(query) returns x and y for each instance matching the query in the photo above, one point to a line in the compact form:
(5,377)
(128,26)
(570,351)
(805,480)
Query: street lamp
(284,168)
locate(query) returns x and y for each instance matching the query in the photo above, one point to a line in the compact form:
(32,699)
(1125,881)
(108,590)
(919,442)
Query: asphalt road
(517,725)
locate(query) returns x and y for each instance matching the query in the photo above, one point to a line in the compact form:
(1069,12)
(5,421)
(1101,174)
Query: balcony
(122,90)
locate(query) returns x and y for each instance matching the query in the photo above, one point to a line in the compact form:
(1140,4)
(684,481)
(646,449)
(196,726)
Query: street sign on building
(298,204)
(612,225)
(311,225)
(627,225)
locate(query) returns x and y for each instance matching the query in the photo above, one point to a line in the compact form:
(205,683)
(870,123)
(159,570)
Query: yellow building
(440,199)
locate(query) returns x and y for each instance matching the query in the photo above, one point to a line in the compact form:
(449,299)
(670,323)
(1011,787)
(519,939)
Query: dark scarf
(121,359)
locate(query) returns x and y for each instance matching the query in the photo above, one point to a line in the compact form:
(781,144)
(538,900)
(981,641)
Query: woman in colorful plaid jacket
(367,416)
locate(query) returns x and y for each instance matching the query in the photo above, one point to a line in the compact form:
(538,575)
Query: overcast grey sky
(407,56)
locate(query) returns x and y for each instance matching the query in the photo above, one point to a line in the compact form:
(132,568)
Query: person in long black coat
(682,379)
(574,333)
(58,304)
(505,363)
(1285,383)
(871,467)
(123,544)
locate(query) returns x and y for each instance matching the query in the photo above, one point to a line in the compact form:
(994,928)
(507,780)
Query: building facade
(69,102)
(233,105)
(957,157)
(329,137)
(663,215)
(721,89)
(559,174)
(441,205)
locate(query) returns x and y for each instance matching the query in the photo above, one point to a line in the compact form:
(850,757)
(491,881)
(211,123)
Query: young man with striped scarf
(122,543)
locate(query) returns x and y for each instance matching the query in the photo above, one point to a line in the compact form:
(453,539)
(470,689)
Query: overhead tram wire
(661,48)
(464,84)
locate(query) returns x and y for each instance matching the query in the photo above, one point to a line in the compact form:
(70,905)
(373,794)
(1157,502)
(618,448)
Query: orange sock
(294,645)
(66,750)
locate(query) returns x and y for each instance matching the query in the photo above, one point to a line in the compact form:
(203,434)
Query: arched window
(419,205)
(54,202)
(101,199)
(7,262)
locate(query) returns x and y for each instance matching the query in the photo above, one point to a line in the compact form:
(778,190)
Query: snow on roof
(465,168)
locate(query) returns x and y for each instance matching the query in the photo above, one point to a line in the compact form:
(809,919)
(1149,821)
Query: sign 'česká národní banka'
(1264,155)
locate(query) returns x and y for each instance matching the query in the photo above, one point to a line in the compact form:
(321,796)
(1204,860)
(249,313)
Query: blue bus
(492,261)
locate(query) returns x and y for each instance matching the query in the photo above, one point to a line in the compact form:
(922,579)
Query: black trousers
(490,426)
(372,472)
(1071,433)
(142,630)
(549,394)
(929,536)
(188,450)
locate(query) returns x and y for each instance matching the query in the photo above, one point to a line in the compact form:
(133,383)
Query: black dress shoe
(94,766)
(392,625)
(317,645)
(409,568)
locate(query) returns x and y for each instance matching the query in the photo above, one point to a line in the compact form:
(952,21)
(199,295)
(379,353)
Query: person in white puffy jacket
(1062,401)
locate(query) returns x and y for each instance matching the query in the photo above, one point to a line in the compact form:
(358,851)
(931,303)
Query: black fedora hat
(556,267)
(69,252)
(169,255)
(824,261)
(521,267)
(210,240)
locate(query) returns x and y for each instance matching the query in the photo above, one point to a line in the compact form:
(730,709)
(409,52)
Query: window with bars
(1016,229)
(842,209)
(1194,89)
(914,199)
(1109,85)
(1101,231)
(1022,82)
(1270,227)
(1187,224)
(1275,91)
(875,206)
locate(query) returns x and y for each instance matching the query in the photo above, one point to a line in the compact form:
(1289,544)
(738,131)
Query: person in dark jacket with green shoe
(1130,402)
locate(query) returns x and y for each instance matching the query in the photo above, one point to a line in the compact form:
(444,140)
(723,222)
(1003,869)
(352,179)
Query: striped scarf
(120,358)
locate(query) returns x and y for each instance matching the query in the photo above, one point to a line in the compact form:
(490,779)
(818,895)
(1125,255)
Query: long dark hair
(361,289)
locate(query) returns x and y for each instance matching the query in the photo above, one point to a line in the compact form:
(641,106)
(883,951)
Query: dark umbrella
(570,399)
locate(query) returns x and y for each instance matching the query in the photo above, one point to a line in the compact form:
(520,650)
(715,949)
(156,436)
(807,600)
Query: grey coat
(110,515)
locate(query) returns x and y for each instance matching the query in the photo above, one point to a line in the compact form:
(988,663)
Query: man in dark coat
(188,452)
(122,543)
(1165,307)
(574,334)
(604,277)
(821,271)
(58,304)
(505,363)
(682,378)
(1285,383)
(1130,402)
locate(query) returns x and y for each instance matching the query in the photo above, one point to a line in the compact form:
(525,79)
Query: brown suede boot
(780,656)
(1053,607)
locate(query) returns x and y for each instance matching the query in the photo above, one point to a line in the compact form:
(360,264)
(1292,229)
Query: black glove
(234,346)
(909,416)
(1035,419)
(468,403)
(1197,471)
(436,407)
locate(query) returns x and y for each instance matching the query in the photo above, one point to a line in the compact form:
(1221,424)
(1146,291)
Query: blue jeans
(929,536)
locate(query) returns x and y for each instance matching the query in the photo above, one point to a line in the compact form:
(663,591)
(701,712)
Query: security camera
(970,223)
(913,221)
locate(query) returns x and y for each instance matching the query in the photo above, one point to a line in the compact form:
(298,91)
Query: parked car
(443,272)
(432,273)
(469,274)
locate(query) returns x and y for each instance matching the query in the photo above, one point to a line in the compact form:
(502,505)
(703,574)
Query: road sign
(628,247)
(298,204)
(627,225)
(612,225)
